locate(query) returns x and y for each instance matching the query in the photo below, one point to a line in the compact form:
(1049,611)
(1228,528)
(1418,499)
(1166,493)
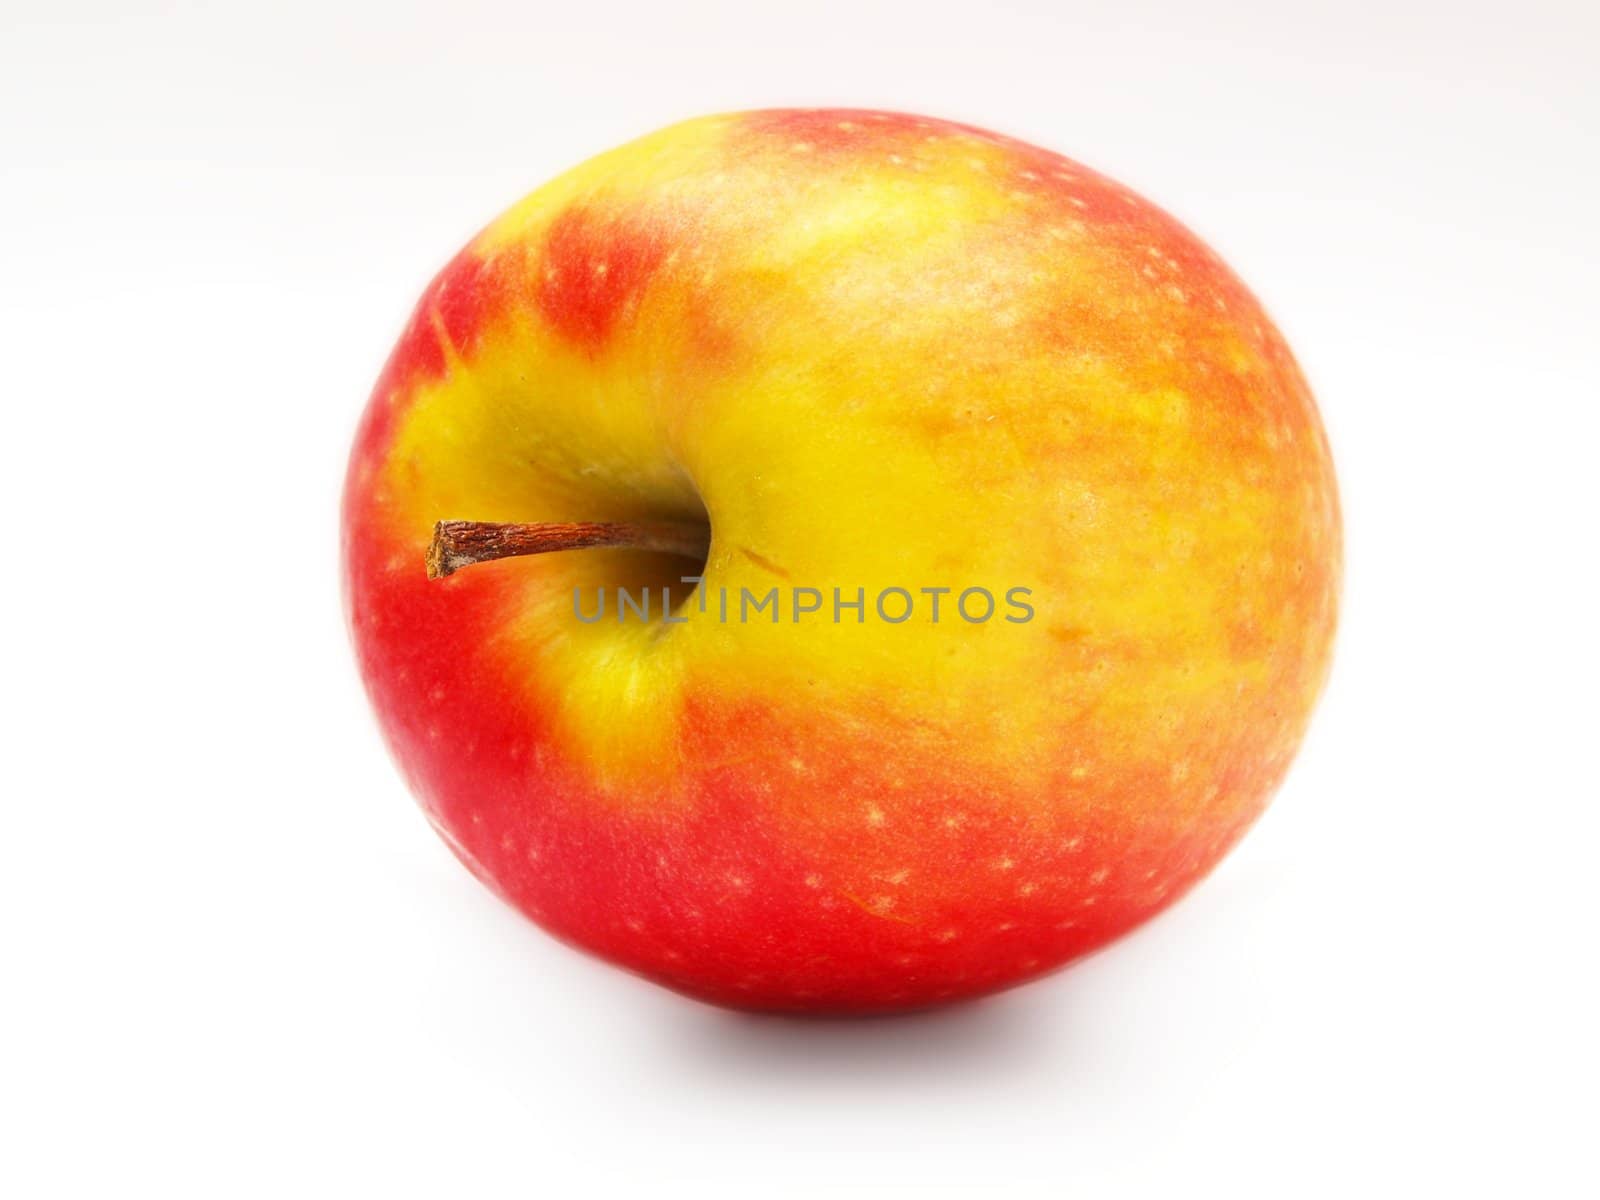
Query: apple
(851,365)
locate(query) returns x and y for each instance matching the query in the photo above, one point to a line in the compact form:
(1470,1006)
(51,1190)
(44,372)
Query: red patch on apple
(594,270)
(840,130)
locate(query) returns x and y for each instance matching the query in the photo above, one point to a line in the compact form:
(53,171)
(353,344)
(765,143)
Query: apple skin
(877,350)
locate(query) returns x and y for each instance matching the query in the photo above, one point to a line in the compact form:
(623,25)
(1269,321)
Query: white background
(236,962)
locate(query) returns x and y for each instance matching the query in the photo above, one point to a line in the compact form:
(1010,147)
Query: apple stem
(458,544)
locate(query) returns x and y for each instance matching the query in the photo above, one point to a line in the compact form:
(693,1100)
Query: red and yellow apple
(867,351)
